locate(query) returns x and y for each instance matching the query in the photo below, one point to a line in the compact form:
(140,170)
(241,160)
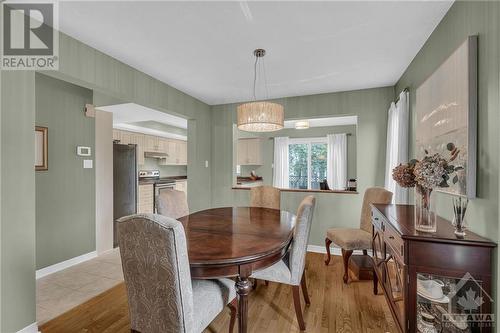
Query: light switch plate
(206,164)
(87,164)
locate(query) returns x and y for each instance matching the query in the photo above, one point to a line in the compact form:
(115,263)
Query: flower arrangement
(425,175)
(429,173)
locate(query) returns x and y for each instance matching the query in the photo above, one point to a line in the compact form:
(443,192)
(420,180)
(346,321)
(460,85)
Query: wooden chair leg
(266,282)
(328,255)
(365,252)
(134,331)
(346,254)
(233,306)
(303,283)
(298,309)
(254,286)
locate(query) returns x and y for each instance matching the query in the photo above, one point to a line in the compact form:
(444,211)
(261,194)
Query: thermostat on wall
(83,151)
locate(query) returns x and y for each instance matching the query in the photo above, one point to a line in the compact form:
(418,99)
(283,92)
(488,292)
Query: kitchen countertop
(161,179)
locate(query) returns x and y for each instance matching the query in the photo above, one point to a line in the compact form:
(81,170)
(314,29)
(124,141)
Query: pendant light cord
(255,78)
(265,78)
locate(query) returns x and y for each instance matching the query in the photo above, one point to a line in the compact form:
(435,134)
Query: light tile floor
(61,291)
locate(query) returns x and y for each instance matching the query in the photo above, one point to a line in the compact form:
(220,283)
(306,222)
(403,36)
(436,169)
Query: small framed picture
(41,148)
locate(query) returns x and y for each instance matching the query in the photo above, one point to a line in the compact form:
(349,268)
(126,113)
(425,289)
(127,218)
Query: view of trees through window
(307,165)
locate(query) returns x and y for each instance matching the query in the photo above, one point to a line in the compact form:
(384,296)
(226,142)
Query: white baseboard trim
(33,328)
(336,251)
(40,273)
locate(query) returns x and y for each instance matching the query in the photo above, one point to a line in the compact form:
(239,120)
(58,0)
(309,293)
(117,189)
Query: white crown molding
(40,273)
(33,328)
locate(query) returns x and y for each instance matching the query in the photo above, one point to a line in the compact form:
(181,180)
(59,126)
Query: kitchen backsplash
(165,170)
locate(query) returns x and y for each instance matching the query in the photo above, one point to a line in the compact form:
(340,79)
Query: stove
(149,174)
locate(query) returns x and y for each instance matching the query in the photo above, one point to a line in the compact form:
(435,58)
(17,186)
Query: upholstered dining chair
(172,203)
(290,270)
(265,197)
(349,239)
(162,297)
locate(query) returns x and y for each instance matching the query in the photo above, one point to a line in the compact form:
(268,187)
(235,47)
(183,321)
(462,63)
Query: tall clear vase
(425,217)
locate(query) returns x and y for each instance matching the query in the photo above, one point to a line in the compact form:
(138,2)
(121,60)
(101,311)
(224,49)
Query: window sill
(301,190)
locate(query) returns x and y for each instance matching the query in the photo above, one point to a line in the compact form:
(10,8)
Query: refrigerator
(124,183)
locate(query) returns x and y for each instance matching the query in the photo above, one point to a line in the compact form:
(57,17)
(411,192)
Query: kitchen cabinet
(117,135)
(138,140)
(182,152)
(176,150)
(177,153)
(249,151)
(127,138)
(145,199)
(151,143)
(163,145)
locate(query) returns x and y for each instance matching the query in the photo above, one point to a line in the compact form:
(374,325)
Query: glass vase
(425,218)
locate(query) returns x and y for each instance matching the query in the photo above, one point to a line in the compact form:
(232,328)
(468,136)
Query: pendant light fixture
(260,116)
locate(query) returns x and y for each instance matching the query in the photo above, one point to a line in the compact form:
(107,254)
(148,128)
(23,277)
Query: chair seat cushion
(350,239)
(279,272)
(209,299)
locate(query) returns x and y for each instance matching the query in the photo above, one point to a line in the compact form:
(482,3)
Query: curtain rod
(404,90)
(272,137)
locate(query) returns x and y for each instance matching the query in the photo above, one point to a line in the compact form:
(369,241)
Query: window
(307,162)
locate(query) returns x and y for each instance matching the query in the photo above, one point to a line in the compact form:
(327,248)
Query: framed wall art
(446,116)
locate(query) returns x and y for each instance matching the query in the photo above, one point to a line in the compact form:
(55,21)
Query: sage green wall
(267,148)
(17,201)
(113,81)
(65,193)
(333,210)
(462,20)
(467,18)
(110,80)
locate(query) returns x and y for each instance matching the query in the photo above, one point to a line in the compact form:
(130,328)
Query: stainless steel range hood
(155,154)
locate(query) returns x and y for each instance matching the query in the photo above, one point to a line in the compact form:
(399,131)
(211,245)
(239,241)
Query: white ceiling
(126,117)
(205,48)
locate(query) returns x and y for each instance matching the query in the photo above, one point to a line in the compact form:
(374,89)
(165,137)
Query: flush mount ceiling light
(302,124)
(260,116)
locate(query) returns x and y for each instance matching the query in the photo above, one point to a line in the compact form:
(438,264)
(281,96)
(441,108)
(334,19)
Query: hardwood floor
(335,307)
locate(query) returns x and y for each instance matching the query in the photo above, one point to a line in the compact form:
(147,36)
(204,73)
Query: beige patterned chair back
(172,203)
(156,271)
(373,195)
(300,237)
(265,197)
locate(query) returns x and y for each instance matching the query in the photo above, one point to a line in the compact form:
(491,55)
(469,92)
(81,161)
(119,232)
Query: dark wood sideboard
(409,264)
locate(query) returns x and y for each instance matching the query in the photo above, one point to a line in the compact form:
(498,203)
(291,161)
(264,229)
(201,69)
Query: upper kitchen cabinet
(126,138)
(249,151)
(177,153)
(151,144)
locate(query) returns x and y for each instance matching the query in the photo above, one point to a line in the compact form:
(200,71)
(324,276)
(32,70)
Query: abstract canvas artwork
(446,112)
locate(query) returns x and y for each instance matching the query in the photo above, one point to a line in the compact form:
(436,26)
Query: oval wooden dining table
(234,242)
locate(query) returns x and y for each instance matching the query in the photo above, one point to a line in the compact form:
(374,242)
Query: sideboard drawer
(395,242)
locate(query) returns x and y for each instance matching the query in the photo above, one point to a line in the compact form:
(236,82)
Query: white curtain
(280,169)
(397,145)
(336,165)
